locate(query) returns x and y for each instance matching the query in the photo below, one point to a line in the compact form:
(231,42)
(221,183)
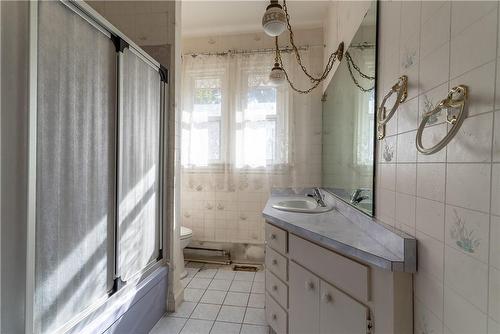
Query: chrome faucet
(356,196)
(320,198)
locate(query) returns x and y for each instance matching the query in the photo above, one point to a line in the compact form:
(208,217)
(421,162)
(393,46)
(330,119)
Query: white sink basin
(301,204)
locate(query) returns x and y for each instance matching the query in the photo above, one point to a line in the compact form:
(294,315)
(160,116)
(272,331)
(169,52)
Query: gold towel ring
(456,99)
(401,88)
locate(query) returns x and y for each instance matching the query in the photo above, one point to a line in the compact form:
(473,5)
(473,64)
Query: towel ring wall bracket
(401,89)
(455,104)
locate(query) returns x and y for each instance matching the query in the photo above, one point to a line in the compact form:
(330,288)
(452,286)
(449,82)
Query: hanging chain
(331,60)
(350,63)
(280,61)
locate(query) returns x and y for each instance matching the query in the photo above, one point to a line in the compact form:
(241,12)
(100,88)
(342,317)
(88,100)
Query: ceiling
(205,18)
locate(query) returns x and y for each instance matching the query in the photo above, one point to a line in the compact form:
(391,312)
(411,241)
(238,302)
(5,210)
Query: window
(233,117)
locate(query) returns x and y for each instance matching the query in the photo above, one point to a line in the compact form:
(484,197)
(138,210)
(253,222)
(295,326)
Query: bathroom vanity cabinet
(312,289)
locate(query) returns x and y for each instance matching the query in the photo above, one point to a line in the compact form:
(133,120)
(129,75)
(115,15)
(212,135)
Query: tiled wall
(450,200)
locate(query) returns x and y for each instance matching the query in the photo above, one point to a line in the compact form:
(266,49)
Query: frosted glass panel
(75,166)
(139,166)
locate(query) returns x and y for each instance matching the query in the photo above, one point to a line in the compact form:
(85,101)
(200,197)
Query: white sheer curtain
(238,135)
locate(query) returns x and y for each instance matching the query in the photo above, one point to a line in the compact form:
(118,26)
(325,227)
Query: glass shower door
(75,190)
(139,166)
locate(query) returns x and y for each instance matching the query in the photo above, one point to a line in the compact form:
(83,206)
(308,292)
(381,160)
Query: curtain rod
(267,50)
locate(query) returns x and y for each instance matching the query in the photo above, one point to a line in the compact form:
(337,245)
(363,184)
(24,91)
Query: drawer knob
(274,316)
(273,236)
(309,285)
(275,262)
(328,298)
(275,287)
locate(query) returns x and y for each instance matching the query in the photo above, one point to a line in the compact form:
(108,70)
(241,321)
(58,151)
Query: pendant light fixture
(275,20)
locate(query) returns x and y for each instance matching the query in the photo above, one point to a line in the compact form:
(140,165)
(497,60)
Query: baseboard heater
(207,255)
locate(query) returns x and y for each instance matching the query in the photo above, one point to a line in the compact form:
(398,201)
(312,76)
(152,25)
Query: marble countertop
(346,231)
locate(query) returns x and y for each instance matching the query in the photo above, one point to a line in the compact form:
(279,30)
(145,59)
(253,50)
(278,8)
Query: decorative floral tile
(465,238)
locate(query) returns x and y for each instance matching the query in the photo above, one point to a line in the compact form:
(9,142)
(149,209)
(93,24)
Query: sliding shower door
(76,117)
(138,199)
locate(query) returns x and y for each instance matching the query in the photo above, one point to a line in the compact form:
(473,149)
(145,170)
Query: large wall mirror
(349,120)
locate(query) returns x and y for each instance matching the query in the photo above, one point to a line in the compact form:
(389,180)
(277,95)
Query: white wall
(439,45)
(341,24)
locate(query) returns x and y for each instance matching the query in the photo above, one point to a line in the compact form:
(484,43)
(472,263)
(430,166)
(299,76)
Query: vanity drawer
(344,273)
(277,263)
(276,238)
(276,317)
(277,289)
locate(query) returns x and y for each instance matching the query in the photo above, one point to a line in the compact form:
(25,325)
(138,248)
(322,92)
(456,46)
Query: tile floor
(218,300)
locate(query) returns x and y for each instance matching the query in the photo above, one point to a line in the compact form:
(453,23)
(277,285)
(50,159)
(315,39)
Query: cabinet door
(304,301)
(339,313)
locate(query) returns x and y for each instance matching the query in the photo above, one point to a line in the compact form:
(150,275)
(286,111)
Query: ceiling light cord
(350,65)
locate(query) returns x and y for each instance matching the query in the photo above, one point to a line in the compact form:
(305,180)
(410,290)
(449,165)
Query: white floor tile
(219,284)
(231,314)
(258,287)
(257,300)
(259,276)
(254,329)
(255,316)
(241,286)
(205,311)
(168,325)
(195,326)
(225,328)
(184,311)
(213,297)
(225,274)
(206,273)
(236,299)
(199,283)
(193,295)
(244,276)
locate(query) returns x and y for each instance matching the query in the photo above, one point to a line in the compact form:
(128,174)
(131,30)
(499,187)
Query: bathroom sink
(301,204)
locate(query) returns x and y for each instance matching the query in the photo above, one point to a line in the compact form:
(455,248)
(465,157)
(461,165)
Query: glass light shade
(274,20)
(277,76)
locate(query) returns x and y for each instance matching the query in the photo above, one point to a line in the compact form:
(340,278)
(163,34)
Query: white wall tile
(495,242)
(431,181)
(493,327)
(386,206)
(436,30)
(406,151)
(496,133)
(405,210)
(430,256)
(430,292)
(425,321)
(460,316)
(429,100)
(388,176)
(495,189)
(468,186)
(494,295)
(430,218)
(406,175)
(387,150)
(434,69)
(468,276)
(472,143)
(468,232)
(464,13)
(463,56)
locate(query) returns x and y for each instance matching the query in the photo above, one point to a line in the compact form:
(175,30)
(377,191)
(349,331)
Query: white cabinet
(314,290)
(339,313)
(304,301)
